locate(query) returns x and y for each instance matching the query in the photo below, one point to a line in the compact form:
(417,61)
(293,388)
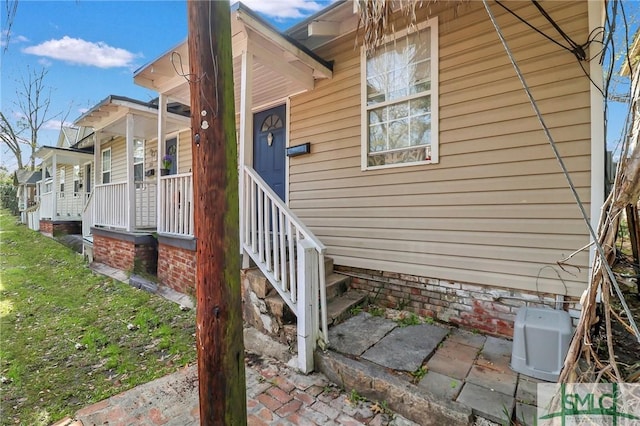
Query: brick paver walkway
(276,395)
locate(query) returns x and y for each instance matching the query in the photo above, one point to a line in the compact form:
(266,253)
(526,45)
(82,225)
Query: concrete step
(336,285)
(338,308)
(379,384)
(328,266)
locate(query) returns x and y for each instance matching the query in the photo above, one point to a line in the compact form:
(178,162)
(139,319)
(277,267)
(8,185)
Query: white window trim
(432,23)
(102,169)
(144,154)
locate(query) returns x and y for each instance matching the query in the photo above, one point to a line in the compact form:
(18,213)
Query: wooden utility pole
(215,178)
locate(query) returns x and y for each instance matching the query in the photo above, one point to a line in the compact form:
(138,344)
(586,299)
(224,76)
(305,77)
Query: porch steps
(267,311)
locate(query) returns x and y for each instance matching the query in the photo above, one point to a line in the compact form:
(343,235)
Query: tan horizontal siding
(118,160)
(496,209)
(184,151)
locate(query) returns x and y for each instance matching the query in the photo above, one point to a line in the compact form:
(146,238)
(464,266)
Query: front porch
(62,191)
(143,183)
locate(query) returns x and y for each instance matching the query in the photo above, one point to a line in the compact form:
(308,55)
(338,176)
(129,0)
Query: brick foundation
(177,263)
(55,228)
(490,310)
(124,251)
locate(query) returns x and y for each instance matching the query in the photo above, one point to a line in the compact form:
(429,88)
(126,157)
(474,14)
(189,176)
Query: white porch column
(54,187)
(162,130)
(246,139)
(131,187)
(97,160)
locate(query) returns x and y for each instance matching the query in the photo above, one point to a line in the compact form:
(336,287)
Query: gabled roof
(26,176)
(67,136)
(281,65)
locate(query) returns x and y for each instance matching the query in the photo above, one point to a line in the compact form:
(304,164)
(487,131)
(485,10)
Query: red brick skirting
(177,263)
(491,310)
(128,252)
(55,228)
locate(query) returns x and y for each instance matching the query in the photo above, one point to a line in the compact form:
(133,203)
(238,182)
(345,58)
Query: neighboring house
(26,190)
(62,190)
(123,212)
(427,176)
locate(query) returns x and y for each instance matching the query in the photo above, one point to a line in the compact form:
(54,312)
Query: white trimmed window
(62,176)
(106,165)
(400,100)
(138,162)
(76,179)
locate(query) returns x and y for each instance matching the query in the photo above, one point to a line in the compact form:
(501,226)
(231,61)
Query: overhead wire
(552,142)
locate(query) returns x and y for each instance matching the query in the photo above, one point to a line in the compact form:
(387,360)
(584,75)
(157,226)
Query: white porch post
(162,130)
(54,187)
(307,313)
(246,139)
(97,160)
(131,187)
(97,169)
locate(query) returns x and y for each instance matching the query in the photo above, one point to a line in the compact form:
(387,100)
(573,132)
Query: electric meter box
(541,340)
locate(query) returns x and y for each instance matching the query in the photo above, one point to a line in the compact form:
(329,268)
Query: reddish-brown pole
(215,181)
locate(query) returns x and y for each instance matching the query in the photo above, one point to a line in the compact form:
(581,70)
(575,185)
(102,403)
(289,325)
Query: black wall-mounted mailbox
(294,151)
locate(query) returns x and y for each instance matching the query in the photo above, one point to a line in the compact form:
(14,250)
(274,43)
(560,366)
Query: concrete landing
(430,373)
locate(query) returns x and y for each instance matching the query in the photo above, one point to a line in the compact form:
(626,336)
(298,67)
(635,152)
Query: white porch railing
(110,205)
(176,211)
(46,206)
(291,258)
(70,204)
(146,205)
(87,216)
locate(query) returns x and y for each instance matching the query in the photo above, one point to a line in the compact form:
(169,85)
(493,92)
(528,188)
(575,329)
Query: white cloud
(55,124)
(7,38)
(82,52)
(284,9)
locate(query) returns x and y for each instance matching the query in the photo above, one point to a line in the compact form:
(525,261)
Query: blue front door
(269,134)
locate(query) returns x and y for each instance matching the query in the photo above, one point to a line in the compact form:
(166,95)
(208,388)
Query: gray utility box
(541,340)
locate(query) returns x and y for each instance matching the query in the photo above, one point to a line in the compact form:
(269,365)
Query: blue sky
(91,48)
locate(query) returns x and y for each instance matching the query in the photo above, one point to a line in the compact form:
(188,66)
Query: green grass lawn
(69,338)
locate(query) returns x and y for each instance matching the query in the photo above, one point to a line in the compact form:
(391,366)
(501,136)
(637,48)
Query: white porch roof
(109,118)
(281,66)
(63,155)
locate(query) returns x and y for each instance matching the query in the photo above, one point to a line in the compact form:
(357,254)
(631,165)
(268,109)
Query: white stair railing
(33,217)
(176,211)
(291,258)
(46,206)
(87,216)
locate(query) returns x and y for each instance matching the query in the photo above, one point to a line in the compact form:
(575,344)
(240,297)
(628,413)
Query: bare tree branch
(34,100)
(10,137)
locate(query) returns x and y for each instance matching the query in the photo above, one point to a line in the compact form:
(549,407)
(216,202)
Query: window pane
(421,106)
(138,173)
(421,130)
(420,77)
(377,115)
(399,133)
(397,111)
(377,138)
(138,151)
(106,177)
(106,160)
